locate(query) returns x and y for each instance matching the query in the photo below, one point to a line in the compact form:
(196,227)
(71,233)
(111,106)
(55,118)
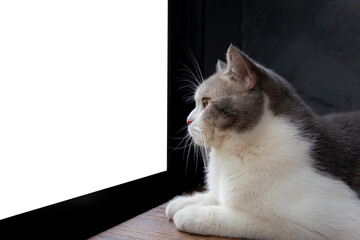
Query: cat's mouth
(197,135)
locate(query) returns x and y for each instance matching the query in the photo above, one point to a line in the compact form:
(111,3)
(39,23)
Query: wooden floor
(148,226)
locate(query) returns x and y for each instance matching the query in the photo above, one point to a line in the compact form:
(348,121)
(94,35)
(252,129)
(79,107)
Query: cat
(276,170)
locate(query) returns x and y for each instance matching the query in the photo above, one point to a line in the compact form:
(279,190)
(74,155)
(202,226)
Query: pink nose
(188,121)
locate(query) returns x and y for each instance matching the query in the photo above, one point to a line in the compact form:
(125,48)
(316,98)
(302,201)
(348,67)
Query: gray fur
(337,147)
(336,137)
(238,113)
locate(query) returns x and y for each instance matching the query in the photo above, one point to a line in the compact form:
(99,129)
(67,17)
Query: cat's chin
(204,138)
(200,142)
(209,143)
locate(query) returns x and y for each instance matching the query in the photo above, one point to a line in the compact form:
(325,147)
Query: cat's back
(344,127)
(338,147)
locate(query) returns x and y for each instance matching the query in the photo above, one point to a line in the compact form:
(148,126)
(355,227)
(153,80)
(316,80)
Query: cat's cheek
(193,219)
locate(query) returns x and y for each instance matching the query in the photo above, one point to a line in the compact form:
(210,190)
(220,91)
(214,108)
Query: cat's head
(229,101)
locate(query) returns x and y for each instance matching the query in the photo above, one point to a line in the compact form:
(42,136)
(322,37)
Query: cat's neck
(276,141)
(284,100)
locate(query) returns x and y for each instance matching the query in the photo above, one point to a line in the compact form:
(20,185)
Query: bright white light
(82,97)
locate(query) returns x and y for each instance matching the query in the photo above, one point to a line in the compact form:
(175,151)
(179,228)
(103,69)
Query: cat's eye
(205,102)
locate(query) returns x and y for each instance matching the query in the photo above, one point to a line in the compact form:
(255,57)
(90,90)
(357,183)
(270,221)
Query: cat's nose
(188,121)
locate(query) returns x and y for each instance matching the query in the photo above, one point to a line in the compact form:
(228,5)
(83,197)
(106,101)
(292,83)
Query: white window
(83,90)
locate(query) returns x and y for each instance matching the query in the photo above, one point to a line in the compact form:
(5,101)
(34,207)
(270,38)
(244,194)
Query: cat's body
(276,169)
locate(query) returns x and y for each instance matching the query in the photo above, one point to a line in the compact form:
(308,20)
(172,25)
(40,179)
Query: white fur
(262,185)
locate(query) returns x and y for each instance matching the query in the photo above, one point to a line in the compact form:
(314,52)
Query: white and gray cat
(276,169)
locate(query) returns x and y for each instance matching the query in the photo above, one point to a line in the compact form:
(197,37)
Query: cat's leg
(226,222)
(210,197)
(180,202)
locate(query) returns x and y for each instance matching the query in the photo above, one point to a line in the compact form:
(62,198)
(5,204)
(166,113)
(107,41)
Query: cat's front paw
(193,219)
(175,205)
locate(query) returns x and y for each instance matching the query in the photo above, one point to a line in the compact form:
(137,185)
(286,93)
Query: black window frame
(88,215)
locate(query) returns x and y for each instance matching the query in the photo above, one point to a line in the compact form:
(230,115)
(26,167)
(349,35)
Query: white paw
(193,219)
(175,205)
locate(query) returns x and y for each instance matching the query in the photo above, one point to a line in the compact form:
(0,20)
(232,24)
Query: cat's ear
(220,66)
(239,68)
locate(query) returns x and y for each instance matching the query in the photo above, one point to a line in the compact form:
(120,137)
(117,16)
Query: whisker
(195,63)
(188,145)
(188,75)
(179,148)
(188,99)
(183,147)
(176,138)
(188,70)
(186,87)
(196,149)
(205,150)
(189,88)
(182,129)
(187,81)
(188,154)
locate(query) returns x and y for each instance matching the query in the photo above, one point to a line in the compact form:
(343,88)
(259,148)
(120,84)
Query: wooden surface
(148,226)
